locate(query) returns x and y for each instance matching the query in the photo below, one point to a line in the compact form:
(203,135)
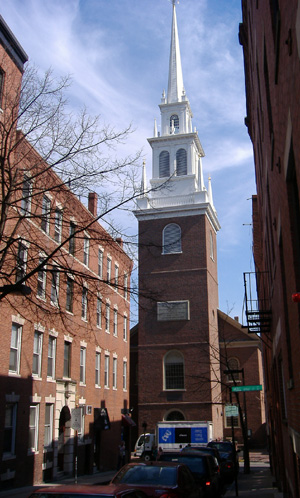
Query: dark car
(226,466)
(76,491)
(204,468)
(230,460)
(157,479)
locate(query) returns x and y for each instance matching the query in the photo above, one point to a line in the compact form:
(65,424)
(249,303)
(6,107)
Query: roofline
(11,45)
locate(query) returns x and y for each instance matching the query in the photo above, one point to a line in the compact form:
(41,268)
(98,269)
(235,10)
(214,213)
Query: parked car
(77,491)
(165,479)
(226,466)
(229,457)
(204,467)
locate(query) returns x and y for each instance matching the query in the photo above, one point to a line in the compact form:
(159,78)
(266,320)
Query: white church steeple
(177,177)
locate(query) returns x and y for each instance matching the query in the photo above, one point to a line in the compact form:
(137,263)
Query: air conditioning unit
(88,409)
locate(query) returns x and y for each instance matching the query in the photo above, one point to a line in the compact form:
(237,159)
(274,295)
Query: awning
(127,420)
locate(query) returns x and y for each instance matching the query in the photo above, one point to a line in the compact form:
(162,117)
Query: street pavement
(258,484)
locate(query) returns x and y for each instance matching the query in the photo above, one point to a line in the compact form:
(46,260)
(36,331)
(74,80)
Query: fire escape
(257,302)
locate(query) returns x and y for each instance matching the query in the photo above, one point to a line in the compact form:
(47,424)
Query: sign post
(76,426)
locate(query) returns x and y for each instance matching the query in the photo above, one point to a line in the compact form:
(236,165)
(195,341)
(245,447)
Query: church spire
(175,85)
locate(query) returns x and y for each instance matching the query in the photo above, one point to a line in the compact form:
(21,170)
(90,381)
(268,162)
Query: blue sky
(117,52)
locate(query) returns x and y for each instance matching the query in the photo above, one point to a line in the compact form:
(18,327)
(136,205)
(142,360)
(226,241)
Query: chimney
(93,199)
(119,241)
(236,318)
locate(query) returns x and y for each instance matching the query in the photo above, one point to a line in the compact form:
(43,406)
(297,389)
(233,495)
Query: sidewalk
(259,480)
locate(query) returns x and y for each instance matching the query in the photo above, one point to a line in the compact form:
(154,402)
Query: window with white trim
(37,353)
(235,422)
(84,303)
(173,370)
(116,275)
(51,357)
(100,262)
(115,331)
(41,279)
(115,366)
(10,425)
(33,427)
(174,124)
(26,195)
(21,265)
(108,276)
(99,312)
(233,365)
(171,239)
(58,225)
(15,348)
(164,164)
(70,294)
(54,285)
(125,328)
(86,250)
(48,428)
(125,285)
(106,371)
(46,207)
(2,74)
(107,317)
(97,368)
(125,375)
(82,364)
(67,359)
(181,162)
(72,230)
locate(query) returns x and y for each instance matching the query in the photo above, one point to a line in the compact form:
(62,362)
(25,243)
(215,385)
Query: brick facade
(270,35)
(51,341)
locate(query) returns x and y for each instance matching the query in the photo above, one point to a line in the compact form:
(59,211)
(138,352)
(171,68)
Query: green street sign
(236,389)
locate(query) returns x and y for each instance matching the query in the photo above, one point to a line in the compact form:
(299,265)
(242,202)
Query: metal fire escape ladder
(257,302)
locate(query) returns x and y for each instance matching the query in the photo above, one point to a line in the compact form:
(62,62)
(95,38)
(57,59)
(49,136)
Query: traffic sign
(235,389)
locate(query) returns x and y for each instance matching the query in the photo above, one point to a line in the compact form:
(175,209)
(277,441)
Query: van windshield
(144,437)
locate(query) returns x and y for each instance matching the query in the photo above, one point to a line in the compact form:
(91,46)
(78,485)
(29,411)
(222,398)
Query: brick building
(65,346)
(175,349)
(270,36)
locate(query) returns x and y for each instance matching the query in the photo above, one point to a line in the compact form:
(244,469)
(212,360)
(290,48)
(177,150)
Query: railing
(257,310)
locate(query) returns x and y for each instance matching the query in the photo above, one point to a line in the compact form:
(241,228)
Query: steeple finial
(175,84)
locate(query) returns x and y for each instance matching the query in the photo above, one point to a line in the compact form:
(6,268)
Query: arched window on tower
(174,124)
(171,242)
(164,164)
(174,415)
(173,370)
(181,162)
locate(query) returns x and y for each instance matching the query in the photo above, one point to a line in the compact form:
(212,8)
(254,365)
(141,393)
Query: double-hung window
(33,427)
(86,250)
(37,353)
(115,332)
(1,86)
(125,285)
(15,348)
(26,195)
(97,368)
(51,357)
(106,371)
(72,230)
(10,424)
(125,328)
(115,366)
(107,317)
(41,284)
(67,359)
(21,261)
(100,262)
(84,303)
(58,225)
(54,285)
(82,364)
(99,312)
(48,438)
(125,375)
(108,277)
(116,276)
(45,223)
(70,294)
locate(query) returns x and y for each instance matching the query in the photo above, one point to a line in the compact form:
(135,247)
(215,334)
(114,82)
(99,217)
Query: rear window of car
(196,464)
(67,495)
(222,446)
(166,476)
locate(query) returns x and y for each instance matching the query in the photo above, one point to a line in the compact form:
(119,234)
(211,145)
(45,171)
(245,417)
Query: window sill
(51,379)
(32,451)
(41,298)
(8,456)
(175,390)
(14,374)
(106,387)
(82,384)
(70,312)
(97,387)
(36,377)
(170,253)
(84,319)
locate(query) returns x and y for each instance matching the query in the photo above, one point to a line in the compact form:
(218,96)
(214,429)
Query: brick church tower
(178,348)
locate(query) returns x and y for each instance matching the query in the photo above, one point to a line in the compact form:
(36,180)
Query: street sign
(76,419)
(231,410)
(235,389)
